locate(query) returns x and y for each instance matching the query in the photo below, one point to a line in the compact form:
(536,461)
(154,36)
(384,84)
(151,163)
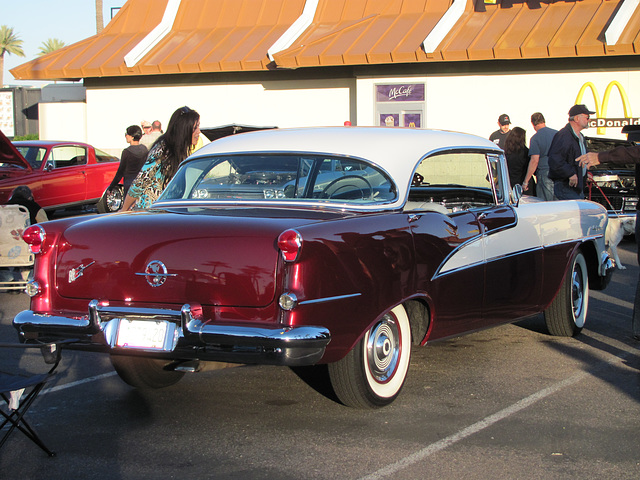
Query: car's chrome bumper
(620,214)
(607,267)
(188,335)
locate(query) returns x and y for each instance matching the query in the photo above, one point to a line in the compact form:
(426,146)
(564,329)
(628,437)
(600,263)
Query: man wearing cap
(499,136)
(152,132)
(567,145)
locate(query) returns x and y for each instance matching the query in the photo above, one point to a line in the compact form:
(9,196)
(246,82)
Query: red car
(60,174)
(341,246)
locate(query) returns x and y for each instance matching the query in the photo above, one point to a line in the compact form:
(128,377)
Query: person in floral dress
(164,158)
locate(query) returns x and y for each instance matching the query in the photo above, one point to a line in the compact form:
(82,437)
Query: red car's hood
(10,156)
(209,259)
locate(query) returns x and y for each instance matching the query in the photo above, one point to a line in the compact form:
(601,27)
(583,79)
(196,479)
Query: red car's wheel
(111,200)
(373,372)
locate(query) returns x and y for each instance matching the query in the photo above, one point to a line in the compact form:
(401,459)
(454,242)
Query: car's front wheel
(372,374)
(112,200)
(567,313)
(143,372)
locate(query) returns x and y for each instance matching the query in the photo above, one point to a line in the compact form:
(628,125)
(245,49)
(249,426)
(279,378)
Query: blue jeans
(563,191)
(544,187)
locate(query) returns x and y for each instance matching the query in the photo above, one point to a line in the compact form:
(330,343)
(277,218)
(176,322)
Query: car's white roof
(396,150)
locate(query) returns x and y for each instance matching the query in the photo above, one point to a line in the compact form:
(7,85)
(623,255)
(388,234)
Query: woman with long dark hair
(164,158)
(517,154)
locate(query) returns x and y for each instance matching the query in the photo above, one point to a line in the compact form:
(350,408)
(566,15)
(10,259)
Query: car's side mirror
(517,193)
(48,167)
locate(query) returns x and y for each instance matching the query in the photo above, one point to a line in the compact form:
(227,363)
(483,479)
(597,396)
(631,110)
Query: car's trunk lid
(164,258)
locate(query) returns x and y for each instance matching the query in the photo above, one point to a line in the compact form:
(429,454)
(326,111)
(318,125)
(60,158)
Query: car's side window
(68,156)
(457,181)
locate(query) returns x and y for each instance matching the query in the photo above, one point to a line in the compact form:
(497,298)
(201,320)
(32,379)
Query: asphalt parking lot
(507,403)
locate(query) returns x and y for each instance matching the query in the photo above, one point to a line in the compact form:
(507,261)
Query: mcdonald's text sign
(602,122)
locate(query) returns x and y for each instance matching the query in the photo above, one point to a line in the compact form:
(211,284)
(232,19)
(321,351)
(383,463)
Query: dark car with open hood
(613,186)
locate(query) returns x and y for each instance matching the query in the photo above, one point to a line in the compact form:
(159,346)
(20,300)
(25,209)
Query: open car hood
(9,155)
(214,133)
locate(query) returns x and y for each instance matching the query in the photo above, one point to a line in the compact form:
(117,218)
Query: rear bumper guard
(185,329)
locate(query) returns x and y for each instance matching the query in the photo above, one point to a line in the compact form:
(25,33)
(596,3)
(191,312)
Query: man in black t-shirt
(498,137)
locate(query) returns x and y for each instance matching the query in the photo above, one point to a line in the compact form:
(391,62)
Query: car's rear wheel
(567,313)
(143,372)
(372,374)
(112,200)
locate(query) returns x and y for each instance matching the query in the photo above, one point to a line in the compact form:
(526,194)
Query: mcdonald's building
(445,64)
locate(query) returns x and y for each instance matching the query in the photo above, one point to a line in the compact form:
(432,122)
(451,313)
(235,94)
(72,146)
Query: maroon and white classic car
(343,246)
(60,174)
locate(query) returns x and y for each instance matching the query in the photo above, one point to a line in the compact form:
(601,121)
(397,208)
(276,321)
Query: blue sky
(36,21)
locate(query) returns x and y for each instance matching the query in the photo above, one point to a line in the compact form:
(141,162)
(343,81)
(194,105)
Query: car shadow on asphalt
(616,369)
(317,377)
(534,323)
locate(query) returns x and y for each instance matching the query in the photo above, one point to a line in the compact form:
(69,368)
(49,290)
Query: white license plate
(141,334)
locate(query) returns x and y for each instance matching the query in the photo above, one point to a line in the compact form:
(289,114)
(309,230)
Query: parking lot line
(486,422)
(78,382)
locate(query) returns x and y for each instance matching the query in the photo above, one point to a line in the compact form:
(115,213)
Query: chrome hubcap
(114,200)
(383,349)
(577,291)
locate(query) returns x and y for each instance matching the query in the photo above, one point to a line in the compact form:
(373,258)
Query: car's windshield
(33,155)
(261,177)
(458,181)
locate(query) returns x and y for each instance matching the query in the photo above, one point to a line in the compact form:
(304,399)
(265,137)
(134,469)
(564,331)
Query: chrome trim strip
(165,275)
(278,204)
(452,253)
(511,254)
(329,299)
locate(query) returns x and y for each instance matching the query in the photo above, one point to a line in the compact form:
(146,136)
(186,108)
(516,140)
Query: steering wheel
(345,187)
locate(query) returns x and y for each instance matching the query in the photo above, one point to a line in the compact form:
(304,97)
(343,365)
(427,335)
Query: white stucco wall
(277,103)
(468,103)
(63,121)
(472,103)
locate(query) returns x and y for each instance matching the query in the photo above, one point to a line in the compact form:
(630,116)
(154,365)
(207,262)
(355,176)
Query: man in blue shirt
(539,159)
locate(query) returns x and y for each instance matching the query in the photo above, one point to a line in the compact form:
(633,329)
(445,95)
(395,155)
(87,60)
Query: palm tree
(9,43)
(99,19)
(51,45)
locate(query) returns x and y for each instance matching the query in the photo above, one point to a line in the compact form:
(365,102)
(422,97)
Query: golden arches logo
(601,122)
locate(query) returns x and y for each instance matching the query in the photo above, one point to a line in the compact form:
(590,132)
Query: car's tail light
(290,244)
(34,236)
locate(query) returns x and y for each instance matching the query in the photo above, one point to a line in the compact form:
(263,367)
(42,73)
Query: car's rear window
(105,157)
(291,177)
